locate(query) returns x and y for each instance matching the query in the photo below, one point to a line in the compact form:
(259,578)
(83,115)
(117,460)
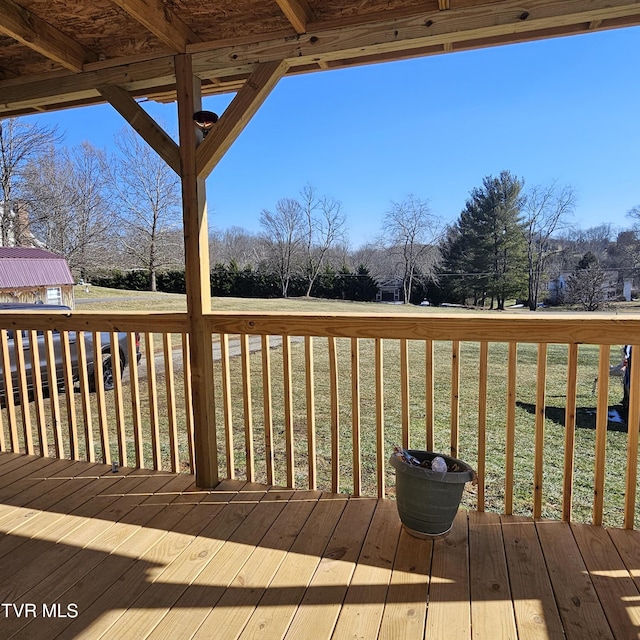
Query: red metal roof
(26,267)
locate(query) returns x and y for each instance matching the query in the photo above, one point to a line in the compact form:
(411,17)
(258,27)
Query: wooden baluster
(633,425)
(100,397)
(335,416)
(152,388)
(54,396)
(538,465)
(81,347)
(428,395)
(570,431)
(602,420)
(404,391)
(268,409)
(136,417)
(380,444)
(69,392)
(36,382)
(171,402)
(3,348)
(247,410)
(186,370)
(288,410)
(455,397)
(511,427)
(226,405)
(311,412)
(483,377)
(9,392)
(355,417)
(24,393)
(116,368)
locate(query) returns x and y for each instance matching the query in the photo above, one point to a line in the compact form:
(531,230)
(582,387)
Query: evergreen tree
(486,246)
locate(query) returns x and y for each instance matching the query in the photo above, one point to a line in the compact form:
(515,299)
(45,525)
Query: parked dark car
(105,351)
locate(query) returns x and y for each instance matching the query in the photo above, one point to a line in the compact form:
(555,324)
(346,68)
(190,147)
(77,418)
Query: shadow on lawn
(585,416)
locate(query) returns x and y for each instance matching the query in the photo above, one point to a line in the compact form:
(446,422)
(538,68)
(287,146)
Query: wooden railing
(57,404)
(319,401)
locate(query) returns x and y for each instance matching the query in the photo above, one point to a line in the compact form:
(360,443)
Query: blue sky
(565,110)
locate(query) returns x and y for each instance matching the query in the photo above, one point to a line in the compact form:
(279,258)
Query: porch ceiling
(57,54)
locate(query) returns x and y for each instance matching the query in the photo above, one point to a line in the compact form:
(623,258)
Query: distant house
(612,287)
(34,276)
(390,290)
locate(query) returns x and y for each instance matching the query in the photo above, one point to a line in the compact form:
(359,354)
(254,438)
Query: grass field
(105,299)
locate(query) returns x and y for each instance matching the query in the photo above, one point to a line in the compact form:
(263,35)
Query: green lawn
(468,444)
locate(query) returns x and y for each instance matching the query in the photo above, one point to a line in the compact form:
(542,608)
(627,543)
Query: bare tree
(546,211)
(283,236)
(324,228)
(237,245)
(585,284)
(148,194)
(412,234)
(21,142)
(68,205)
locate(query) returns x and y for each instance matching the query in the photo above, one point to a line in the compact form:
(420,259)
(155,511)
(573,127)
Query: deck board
(363,605)
(535,608)
(610,579)
(142,554)
(449,605)
(316,615)
(492,612)
(279,603)
(406,604)
(581,612)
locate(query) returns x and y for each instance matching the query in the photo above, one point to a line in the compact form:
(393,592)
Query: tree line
(116,218)
(120,210)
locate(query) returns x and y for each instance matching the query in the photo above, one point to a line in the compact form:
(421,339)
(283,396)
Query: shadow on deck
(144,554)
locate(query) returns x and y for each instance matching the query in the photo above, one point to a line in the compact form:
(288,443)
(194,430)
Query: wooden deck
(87,553)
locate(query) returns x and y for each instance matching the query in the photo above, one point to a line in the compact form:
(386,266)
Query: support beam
(198,286)
(35,33)
(238,114)
(298,13)
(144,124)
(162,22)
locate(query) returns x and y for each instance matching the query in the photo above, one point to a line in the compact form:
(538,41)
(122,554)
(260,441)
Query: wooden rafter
(144,124)
(5,74)
(298,13)
(237,115)
(164,24)
(35,33)
(416,30)
(351,40)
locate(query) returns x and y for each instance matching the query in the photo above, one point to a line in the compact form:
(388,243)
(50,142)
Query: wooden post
(198,286)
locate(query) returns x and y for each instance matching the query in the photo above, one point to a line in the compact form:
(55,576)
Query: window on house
(54,295)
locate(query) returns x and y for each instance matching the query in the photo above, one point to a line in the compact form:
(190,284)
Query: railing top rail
(565,328)
(95,321)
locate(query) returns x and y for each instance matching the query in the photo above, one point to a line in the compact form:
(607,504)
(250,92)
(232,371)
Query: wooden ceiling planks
(68,49)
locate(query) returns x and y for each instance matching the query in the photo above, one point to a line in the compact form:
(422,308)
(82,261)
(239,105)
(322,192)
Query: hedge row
(229,280)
